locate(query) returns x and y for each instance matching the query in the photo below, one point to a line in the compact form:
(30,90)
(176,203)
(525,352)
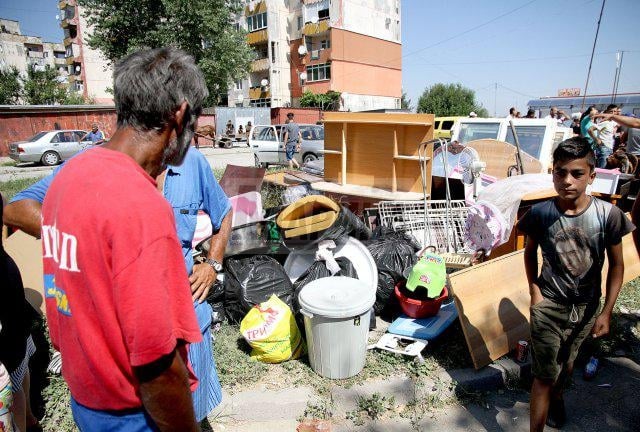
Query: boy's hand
(536,298)
(601,326)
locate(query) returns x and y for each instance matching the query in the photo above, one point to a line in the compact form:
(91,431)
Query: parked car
(266,142)
(442,126)
(49,148)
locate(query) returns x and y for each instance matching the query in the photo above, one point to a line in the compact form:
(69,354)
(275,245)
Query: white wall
(279,71)
(355,102)
(98,74)
(376,18)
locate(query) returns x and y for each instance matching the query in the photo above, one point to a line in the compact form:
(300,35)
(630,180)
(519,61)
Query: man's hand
(601,326)
(536,296)
(202,278)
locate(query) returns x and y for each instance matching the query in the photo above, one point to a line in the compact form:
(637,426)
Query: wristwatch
(214,264)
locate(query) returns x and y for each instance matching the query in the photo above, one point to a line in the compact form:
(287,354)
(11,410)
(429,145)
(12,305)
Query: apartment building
(89,72)
(349,46)
(26,52)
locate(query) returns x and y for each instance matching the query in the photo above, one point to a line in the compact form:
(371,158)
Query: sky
(529,48)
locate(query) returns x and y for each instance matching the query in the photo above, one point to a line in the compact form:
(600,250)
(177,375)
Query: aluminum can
(522,351)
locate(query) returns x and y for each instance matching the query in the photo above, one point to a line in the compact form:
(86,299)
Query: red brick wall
(302,115)
(17,126)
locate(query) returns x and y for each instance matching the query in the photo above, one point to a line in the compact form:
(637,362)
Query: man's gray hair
(150,85)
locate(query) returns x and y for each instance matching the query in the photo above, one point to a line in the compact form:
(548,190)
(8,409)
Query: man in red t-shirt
(118,298)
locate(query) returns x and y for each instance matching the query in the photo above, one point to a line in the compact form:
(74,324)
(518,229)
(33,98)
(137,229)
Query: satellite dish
(57,17)
(77,68)
(264,82)
(303,76)
(302,50)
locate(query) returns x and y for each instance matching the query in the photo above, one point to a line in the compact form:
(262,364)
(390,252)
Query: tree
(10,86)
(203,28)
(43,88)
(450,100)
(329,101)
(405,102)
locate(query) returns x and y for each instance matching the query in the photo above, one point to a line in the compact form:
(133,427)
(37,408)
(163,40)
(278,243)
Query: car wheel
(50,158)
(309,157)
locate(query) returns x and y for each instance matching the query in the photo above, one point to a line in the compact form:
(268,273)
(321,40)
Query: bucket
(416,308)
(336,314)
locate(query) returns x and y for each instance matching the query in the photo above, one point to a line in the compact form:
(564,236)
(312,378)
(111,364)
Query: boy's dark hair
(610,108)
(575,148)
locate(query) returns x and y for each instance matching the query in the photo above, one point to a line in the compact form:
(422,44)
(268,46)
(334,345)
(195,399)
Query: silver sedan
(49,148)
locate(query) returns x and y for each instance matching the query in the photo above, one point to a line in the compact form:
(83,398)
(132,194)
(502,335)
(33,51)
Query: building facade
(26,52)
(89,72)
(349,46)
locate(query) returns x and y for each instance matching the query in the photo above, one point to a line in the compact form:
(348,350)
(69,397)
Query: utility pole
(616,77)
(593,50)
(495,100)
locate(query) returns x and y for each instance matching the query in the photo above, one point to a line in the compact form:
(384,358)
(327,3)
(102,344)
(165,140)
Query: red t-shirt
(116,288)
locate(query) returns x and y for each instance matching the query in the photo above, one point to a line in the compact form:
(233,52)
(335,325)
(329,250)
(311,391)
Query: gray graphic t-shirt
(573,247)
(293,130)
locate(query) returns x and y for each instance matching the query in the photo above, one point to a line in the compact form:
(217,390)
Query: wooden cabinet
(377,154)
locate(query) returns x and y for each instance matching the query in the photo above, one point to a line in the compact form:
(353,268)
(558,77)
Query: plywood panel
(500,155)
(26,251)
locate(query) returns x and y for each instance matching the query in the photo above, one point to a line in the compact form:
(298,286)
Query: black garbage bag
(215,298)
(252,280)
(319,270)
(393,253)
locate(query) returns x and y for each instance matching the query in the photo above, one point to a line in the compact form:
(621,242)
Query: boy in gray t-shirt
(573,231)
(292,139)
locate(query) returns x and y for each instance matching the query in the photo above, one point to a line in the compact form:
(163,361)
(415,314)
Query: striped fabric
(17,376)
(208,395)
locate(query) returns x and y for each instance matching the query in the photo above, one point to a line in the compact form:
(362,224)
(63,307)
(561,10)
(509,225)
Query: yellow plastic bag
(271,331)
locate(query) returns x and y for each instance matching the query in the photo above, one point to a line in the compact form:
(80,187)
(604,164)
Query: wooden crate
(377,151)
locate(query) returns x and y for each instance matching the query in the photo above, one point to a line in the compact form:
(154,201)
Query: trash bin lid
(337,297)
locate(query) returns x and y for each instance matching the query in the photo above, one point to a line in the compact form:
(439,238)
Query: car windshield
(529,137)
(37,136)
(475,131)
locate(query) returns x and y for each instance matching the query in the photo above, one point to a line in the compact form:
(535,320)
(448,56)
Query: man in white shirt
(607,130)
(512,113)
(559,115)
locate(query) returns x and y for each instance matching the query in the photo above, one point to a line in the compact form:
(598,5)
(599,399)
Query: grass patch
(235,367)
(371,407)
(11,187)
(8,163)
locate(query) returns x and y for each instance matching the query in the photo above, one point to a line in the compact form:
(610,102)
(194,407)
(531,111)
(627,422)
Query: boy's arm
(614,283)
(592,131)
(531,268)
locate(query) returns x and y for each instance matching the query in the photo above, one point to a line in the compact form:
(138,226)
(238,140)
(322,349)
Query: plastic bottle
(591,368)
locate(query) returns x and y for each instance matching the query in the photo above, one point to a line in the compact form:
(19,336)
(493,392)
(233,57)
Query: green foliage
(11,187)
(329,101)
(10,86)
(41,87)
(321,409)
(405,102)
(373,407)
(450,100)
(203,28)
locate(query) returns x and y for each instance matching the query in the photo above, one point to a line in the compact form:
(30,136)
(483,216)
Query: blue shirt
(188,188)
(93,137)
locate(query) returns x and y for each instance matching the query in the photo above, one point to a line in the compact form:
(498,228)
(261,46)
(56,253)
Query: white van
(537,137)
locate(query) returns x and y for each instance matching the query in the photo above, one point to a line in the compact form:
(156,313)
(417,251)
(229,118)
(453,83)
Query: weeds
(11,187)
(235,367)
(320,410)
(373,407)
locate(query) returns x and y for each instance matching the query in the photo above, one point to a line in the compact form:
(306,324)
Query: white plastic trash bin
(336,320)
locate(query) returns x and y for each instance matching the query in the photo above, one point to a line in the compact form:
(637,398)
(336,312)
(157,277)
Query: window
(474,131)
(236,26)
(260,103)
(323,14)
(319,72)
(324,44)
(437,125)
(300,22)
(447,124)
(529,137)
(273,52)
(239,85)
(257,22)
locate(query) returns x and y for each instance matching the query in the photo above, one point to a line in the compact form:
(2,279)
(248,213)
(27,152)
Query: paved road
(217,158)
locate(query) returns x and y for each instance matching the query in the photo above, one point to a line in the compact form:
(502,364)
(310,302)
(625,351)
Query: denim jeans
(602,153)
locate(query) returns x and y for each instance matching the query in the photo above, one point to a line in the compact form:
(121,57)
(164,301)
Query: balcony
(313,29)
(259,93)
(255,7)
(258,37)
(35,54)
(260,65)
(317,56)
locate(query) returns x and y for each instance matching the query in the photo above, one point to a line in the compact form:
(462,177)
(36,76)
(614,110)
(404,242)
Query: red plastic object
(415,308)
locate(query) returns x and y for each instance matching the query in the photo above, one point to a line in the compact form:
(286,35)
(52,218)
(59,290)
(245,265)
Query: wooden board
(493,305)
(26,251)
(237,180)
(367,192)
(500,155)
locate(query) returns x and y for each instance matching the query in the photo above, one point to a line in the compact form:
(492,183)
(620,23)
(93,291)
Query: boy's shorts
(290,149)
(555,339)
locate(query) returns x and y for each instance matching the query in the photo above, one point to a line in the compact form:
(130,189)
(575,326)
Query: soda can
(522,351)
(591,368)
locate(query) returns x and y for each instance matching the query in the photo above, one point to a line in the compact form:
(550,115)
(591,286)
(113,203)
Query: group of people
(613,137)
(125,301)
